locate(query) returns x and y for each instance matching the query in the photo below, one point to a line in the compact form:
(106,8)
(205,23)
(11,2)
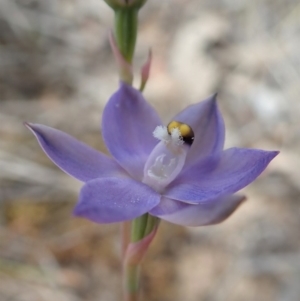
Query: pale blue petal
(74,157)
(210,178)
(207,123)
(110,200)
(127,127)
(208,213)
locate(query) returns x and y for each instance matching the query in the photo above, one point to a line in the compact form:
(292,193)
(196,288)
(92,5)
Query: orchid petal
(74,157)
(208,125)
(236,169)
(110,200)
(212,212)
(127,126)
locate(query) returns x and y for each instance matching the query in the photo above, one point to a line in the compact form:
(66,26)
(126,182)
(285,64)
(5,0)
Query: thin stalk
(126,24)
(152,222)
(138,227)
(132,273)
(143,230)
(125,236)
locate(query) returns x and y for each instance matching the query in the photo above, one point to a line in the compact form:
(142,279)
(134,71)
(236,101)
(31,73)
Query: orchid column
(137,234)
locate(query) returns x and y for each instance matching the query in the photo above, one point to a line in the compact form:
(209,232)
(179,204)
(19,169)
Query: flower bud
(119,4)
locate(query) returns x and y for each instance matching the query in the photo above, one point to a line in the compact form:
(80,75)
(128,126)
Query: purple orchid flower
(154,168)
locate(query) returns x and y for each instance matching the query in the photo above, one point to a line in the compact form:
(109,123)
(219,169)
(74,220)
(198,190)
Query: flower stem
(143,230)
(138,228)
(125,236)
(131,282)
(126,24)
(152,223)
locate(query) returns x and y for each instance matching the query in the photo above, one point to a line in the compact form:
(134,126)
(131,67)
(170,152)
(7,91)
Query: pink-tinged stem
(125,241)
(125,236)
(145,71)
(125,67)
(132,260)
(131,285)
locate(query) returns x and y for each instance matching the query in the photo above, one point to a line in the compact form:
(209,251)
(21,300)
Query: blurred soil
(56,68)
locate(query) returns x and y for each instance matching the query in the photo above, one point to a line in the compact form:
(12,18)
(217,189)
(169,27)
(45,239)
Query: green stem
(138,227)
(132,282)
(126,24)
(152,222)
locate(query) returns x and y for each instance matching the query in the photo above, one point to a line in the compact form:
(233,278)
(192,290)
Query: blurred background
(56,68)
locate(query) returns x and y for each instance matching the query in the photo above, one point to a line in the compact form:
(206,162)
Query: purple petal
(74,157)
(110,200)
(212,178)
(212,212)
(207,123)
(127,126)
